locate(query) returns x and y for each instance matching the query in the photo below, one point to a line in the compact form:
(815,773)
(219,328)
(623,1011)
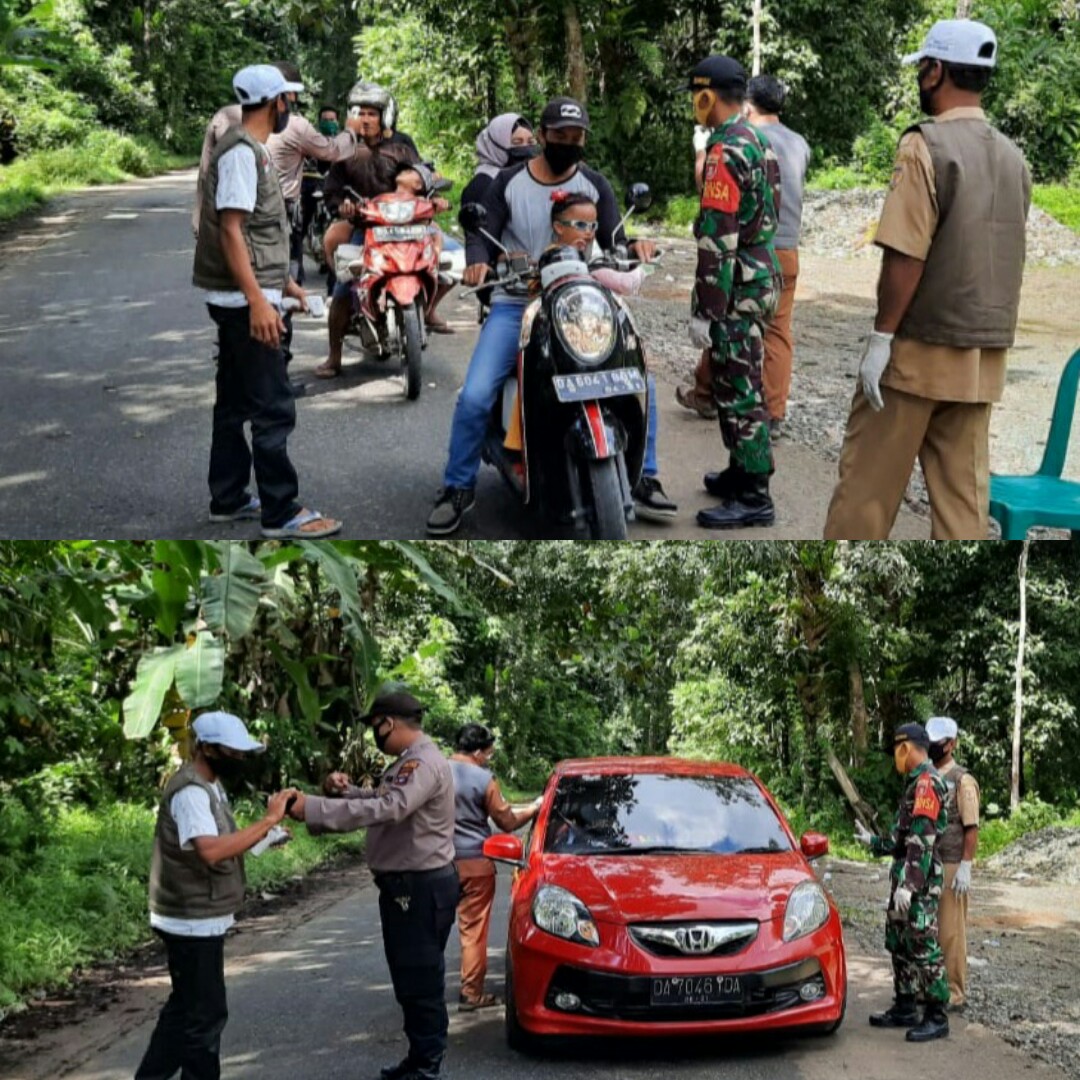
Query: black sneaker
(451,505)
(651,502)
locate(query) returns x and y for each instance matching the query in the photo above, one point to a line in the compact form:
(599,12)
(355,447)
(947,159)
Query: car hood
(657,888)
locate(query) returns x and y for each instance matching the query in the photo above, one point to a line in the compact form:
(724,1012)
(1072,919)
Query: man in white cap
(957,850)
(242,266)
(196,887)
(953,234)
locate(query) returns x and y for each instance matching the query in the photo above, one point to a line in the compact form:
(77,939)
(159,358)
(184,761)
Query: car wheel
(517,1038)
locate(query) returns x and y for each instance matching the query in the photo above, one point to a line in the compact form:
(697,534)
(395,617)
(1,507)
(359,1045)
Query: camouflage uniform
(918,964)
(738,281)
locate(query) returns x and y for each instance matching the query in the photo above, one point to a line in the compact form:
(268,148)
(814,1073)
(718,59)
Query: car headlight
(807,910)
(561,913)
(586,323)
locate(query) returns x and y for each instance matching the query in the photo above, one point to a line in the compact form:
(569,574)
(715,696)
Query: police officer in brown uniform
(953,233)
(957,849)
(410,850)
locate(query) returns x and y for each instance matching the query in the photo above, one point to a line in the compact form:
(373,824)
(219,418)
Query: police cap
(398,703)
(717,73)
(912,733)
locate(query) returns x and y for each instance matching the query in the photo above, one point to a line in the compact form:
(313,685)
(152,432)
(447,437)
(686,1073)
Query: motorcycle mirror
(442,184)
(639,197)
(472,217)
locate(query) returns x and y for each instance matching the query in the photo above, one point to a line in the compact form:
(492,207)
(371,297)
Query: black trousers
(187,1038)
(417,911)
(252,387)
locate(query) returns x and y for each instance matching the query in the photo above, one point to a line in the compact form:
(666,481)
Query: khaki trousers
(952,932)
(473,918)
(952,442)
(779,346)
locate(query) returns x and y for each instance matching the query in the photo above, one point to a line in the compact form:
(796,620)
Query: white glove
(962,882)
(875,360)
(699,333)
(538,801)
(902,901)
(862,834)
(702,135)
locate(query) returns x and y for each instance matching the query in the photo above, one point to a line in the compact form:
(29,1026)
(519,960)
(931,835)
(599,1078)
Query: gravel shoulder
(1023,949)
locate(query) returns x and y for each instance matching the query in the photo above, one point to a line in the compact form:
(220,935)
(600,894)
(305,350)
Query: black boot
(935,1025)
(750,505)
(396,1072)
(725,484)
(902,1013)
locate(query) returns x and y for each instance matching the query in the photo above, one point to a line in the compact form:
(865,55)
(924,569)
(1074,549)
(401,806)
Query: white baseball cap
(224,729)
(958,41)
(260,83)
(940,728)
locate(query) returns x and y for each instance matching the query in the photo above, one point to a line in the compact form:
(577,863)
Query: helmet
(374,96)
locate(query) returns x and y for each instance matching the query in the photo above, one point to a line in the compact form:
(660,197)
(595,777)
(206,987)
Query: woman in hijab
(507,140)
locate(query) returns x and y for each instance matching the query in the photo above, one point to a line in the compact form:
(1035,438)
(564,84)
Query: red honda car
(662,897)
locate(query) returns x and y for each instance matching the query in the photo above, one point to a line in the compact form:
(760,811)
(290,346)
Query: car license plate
(599,384)
(697,990)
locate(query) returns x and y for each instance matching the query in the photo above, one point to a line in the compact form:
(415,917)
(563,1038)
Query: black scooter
(580,388)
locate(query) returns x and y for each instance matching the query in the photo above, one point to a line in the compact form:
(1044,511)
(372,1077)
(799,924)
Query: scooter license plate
(586,386)
(389,233)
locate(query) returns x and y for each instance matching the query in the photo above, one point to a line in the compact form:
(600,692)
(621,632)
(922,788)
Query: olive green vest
(969,295)
(265,229)
(182,886)
(951,845)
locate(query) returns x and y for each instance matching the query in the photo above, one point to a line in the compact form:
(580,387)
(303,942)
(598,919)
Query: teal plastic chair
(1019,502)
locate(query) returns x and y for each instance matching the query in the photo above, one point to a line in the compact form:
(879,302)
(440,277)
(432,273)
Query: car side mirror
(472,217)
(505,848)
(814,845)
(639,197)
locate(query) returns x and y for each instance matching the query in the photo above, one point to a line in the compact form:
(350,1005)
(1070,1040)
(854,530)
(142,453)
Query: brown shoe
(484,1001)
(690,399)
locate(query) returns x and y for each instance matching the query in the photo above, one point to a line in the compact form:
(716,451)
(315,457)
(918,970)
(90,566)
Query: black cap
(913,733)
(398,703)
(564,112)
(717,73)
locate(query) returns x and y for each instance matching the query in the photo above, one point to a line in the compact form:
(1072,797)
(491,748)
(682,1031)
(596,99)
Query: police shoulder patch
(927,800)
(401,777)
(719,191)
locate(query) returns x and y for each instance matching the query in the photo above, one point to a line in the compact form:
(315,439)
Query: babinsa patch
(719,190)
(927,800)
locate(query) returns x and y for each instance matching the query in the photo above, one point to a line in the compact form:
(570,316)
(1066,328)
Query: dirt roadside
(1024,953)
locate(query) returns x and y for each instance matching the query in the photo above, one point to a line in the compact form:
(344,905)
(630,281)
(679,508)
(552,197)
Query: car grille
(694,939)
(628,997)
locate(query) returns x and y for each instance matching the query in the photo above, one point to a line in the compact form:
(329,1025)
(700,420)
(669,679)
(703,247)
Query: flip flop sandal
(324,371)
(248,512)
(294,528)
(485,1001)
(440,327)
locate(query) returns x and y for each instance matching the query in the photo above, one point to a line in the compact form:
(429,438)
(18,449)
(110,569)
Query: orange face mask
(703,105)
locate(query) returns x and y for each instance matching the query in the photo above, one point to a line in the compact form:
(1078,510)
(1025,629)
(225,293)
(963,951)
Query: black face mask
(926,95)
(938,750)
(229,770)
(381,735)
(562,157)
(517,154)
(281,122)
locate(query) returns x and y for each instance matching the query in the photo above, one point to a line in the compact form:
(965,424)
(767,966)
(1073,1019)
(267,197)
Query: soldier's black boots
(746,500)
(902,1013)
(396,1072)
(935,1025)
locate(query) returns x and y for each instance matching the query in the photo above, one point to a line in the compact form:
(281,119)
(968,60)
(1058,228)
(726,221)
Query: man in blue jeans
(518,204)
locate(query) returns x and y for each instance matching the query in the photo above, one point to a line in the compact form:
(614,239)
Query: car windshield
(651,812)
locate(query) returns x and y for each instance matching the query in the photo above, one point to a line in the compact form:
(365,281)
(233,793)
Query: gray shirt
(409,816)
(471,826)
(793,153)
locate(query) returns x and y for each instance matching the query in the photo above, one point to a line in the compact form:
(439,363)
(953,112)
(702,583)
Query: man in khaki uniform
(409,819)
(953,233)
(957,850)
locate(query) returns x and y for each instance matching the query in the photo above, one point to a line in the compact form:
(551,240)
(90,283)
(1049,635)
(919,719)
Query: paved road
(314,1003)
(105,414)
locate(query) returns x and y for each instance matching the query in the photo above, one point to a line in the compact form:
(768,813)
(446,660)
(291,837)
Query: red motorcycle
(394,277)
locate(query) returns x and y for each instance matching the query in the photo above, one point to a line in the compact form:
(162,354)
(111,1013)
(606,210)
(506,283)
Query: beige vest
(182,886)
(265,229)
(969,295)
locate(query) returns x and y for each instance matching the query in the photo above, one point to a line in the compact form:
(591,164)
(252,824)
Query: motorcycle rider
(374,110)
(518,206)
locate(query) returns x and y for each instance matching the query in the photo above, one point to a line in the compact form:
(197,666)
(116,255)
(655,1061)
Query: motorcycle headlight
(586,323)
(561,913)
(807,910)
(398,213)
